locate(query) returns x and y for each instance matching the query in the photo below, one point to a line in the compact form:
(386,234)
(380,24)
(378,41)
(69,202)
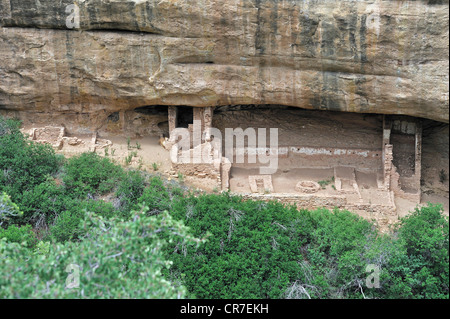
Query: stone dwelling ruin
(364,160)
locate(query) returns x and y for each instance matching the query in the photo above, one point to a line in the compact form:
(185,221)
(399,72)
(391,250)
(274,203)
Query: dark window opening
(185,116)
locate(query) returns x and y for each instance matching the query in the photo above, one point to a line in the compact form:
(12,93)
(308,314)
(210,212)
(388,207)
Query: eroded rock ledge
(385,57)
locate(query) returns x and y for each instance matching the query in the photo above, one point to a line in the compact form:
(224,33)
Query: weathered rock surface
(387,57)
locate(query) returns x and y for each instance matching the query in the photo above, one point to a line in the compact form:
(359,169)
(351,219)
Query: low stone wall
(202,162)
(48,135)
(329,202)
(302,201)
(198,170)
(379,210)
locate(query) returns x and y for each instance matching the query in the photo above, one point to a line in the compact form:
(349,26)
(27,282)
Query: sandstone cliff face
(386,57)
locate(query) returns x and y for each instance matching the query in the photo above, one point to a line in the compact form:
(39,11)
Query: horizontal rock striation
(385,57)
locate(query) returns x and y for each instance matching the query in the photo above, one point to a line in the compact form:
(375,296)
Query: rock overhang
(385,57)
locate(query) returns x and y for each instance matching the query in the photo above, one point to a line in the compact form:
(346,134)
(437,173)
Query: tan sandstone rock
(387,57)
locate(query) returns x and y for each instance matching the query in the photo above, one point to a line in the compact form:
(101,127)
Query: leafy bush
(419,265)
(116,260)
(424,233)
(130,189)
(42,248)
(23,163)
(45,201)
(66,226)
(17,234)
(91,174)
(99,207)
(50,204)
(266,250)
(156,196)
(8,125)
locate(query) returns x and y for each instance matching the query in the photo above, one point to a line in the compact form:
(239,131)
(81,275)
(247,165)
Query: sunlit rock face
(386,57)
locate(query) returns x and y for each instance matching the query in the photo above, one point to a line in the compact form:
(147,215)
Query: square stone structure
(217,167)
(261,183)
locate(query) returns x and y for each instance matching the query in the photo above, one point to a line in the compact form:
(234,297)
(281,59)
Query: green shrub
(45,201)
(419,264)
(8,125)
(23,163)
(91,174)
(99,207)
(17,234)
(66,226)
(42,248)
(48,201)
(130,189)
(328,257)
(425,233)
(155,196)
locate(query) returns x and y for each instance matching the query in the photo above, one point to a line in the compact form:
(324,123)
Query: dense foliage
(115,260)
(23,164)
(88,211)
(265,250)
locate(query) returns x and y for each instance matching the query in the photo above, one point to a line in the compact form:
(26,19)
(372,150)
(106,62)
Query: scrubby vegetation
(130,234)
